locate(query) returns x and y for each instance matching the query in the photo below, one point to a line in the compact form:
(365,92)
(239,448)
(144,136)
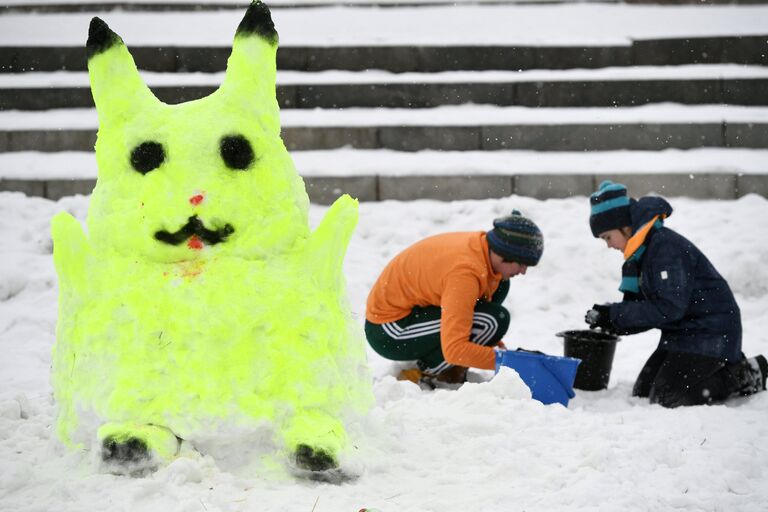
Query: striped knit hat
(516,238)
(610,208)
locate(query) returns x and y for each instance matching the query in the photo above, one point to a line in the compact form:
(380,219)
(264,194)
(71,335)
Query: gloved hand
(599,316)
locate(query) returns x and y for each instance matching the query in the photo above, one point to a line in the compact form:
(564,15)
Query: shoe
(411,374)
(453,375)
(750,374)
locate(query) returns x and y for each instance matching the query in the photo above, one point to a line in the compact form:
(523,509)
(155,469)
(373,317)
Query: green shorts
(417,336)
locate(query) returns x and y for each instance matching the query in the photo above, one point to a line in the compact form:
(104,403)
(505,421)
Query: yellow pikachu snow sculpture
(200,299)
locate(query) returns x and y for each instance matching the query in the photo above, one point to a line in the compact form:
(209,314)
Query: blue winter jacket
(681,293)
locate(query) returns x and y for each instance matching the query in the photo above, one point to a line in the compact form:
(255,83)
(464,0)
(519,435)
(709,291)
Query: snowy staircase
(683,115)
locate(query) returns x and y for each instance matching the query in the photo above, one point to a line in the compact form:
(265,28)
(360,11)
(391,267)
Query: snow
(581,24)
(346,162)
(448,115)
(289,3)
(475,115)
(484,447)
(45,79)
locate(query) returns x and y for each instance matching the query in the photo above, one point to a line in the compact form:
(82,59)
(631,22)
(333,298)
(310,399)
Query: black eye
(236,152)
(147,156)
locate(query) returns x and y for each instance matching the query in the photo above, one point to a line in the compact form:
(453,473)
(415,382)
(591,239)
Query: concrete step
(382,174)
(460,128)
(27,6)
(565,137)
(424,90)
(748,50)
(404,38)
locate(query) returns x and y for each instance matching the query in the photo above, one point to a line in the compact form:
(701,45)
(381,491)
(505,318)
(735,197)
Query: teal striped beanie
(609,208)
(516,238)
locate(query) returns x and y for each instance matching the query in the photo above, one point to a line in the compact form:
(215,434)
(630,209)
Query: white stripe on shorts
(396,332)
(484,328)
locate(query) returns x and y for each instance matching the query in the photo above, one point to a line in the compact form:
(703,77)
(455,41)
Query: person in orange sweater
(439,301)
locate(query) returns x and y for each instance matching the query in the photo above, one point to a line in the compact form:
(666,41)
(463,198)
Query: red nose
(195,243)
(196,199)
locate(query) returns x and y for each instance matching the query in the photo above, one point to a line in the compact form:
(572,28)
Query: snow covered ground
(484,447)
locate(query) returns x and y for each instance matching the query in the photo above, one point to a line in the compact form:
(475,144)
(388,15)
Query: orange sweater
(451,270)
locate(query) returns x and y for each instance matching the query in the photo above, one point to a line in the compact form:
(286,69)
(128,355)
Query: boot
(749,375)
(453,375)
(759,367)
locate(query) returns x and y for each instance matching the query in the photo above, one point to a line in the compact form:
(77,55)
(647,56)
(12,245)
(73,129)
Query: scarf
(633,255)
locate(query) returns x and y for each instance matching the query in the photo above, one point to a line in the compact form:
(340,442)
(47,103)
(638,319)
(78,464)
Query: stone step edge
(544,137)
(614,93)
(324,190)
(462,115)
(691,72)
(749,49)
(35,165)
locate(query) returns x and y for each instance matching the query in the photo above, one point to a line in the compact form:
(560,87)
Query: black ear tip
(100,37)
(96,24)
(258,21)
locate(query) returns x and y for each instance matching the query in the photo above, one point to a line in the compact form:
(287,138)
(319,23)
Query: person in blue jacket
(670,285)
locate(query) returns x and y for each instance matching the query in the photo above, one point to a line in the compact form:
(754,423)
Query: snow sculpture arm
(70,250)
(328,243)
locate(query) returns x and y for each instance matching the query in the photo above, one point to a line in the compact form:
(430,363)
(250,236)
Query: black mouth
(195,227)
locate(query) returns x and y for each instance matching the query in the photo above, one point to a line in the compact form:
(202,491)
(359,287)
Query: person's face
(615,238)
(509,269)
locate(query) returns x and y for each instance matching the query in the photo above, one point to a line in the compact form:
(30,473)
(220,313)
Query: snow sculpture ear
(251,69)
(118,91)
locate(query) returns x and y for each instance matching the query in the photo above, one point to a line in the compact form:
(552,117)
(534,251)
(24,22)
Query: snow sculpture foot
(136,449)
(132,450)
(318,465)
(314,459)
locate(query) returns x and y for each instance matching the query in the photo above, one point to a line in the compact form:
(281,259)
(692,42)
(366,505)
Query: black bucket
(595,349)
